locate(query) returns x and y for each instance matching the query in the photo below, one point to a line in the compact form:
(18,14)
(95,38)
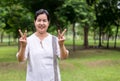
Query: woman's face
(41,23)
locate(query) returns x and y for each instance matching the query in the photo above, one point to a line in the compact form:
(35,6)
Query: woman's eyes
(42,20)
(45,20)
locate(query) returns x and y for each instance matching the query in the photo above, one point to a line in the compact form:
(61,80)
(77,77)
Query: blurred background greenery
(92,37)
(87,21)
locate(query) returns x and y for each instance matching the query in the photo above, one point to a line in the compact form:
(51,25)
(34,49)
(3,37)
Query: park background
(92,37)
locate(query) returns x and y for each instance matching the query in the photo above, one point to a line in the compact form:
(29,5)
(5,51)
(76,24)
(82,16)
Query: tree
(77,12)
(16,16)
(106,15)
(50,5)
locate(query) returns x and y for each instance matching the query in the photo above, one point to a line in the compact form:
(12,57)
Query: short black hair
(42,11)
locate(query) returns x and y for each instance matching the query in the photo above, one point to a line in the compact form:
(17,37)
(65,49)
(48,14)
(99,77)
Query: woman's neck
(41,36)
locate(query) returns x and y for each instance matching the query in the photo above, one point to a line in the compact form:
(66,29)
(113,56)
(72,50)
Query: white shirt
(39,55)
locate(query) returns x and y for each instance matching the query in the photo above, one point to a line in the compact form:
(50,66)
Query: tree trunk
(86,36)
(103,38)
(100,30)
(116,36)
(1,37)
(94,37)
(73,29)
(108,41)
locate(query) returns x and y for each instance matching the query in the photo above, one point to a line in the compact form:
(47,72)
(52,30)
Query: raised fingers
(25,33)
(63,32)
(59,34)
(21,34)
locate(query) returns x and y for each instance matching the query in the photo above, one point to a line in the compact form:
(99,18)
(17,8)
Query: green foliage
(15,16)
(94,14)
(2,15)
(106,12)
(50,5)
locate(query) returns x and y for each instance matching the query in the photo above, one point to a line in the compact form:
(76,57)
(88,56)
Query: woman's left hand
(61,37)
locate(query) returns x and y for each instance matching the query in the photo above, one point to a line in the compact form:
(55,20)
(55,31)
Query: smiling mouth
(41,27)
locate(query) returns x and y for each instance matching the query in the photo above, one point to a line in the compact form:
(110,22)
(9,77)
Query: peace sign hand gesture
(61,37)
(23,38)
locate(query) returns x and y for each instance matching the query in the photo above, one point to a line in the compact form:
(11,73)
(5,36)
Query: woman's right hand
(23,38)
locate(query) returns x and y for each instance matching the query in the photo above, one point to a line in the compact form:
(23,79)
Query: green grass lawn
(82,65)
(91,65)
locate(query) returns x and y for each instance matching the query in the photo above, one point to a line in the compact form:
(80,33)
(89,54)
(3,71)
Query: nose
(41,22)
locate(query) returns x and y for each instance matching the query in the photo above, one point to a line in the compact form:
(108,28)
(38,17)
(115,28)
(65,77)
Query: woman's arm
(63,51)
(23,43)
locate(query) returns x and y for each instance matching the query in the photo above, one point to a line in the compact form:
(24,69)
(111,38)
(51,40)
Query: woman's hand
(63,51)
(23,38)
(61,37)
